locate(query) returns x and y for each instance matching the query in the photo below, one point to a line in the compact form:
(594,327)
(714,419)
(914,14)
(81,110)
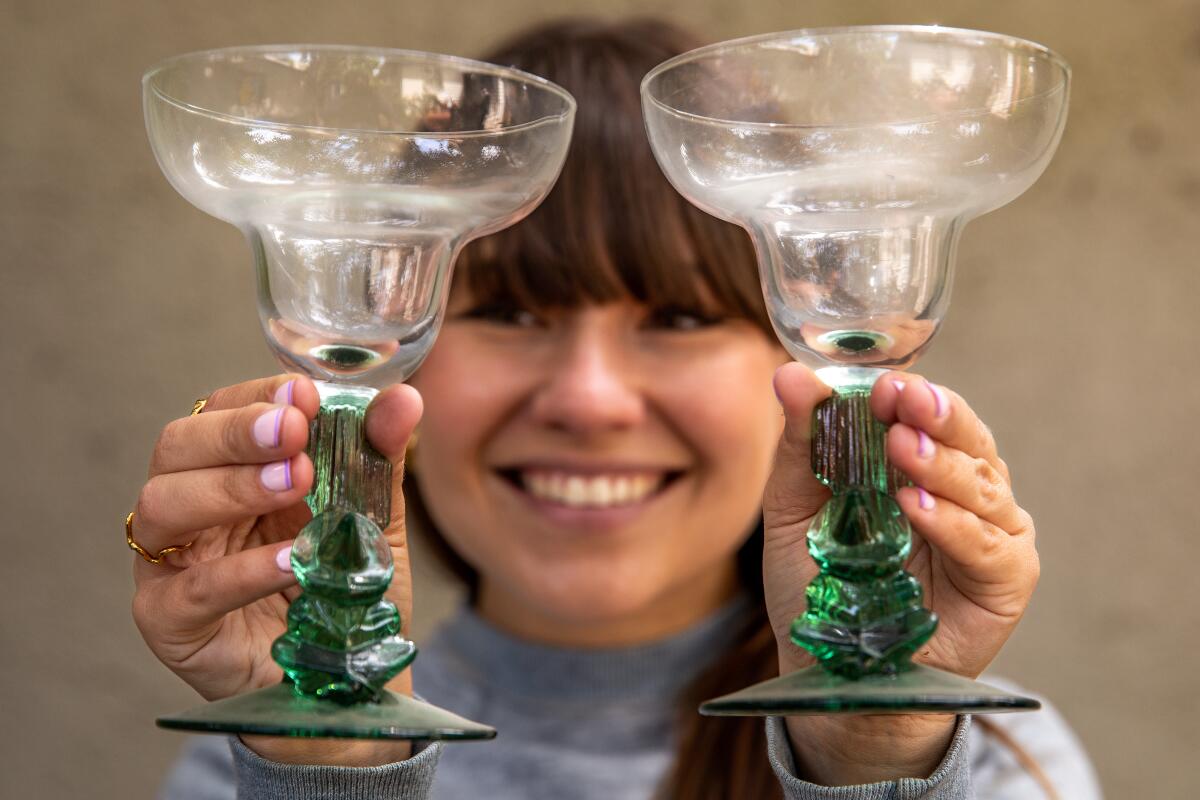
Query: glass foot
(279,711)
(919,689)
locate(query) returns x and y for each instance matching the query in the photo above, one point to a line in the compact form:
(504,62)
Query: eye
(503,314)
(677,318)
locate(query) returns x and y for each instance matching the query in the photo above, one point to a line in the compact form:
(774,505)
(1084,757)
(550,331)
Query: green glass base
(817,691)
(279,711)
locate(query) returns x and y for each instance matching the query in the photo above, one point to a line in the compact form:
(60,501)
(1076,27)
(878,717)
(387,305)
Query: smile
(592,490)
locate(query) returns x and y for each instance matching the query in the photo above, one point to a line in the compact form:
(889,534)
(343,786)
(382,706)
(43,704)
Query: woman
(597,433)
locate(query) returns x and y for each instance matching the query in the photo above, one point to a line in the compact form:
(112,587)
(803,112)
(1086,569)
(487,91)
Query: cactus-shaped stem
(343,640)
(865,614)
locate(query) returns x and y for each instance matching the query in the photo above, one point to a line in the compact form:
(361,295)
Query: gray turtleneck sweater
(586,724)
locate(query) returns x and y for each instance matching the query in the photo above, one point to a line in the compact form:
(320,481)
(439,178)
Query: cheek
(463,405)
(464,394)
(730,413)
(470,388)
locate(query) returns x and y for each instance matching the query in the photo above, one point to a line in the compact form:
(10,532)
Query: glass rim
(733,44)
(465,64)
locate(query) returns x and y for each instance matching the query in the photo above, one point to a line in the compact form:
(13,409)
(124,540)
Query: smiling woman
(598,430)
(612,481)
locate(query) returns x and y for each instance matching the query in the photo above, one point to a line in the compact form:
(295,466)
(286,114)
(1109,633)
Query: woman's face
(589,463)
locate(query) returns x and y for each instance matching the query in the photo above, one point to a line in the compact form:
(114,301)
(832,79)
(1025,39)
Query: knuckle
(167,442)
(141,610)
(232,438)
(218,399)
(985,440)
(236,485)
(1002,467)
(990,485)
(1025,526)
(194,590)
(145,510)
(992,542)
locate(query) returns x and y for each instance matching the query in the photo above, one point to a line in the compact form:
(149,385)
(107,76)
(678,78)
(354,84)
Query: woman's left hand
(973,552)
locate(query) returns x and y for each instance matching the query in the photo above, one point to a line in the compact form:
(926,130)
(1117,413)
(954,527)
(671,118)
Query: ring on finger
(153,558)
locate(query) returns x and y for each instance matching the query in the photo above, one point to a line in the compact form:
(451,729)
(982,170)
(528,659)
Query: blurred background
(1073,332)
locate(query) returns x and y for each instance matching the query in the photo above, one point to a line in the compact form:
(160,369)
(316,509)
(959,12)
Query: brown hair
(614,228)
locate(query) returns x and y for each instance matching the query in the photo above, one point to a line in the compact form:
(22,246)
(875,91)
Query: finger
(944,415)
(292,390)
(793,494)
(972,483)
(178,503)
(253,434)
(202,594)
(989,563)
(885,395)
(391,418)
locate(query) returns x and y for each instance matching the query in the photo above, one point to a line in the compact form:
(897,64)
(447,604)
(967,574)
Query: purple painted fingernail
(924,445)
(283,559)
(924,499)
(277,476)
(941,403)
(283,395)
(899,385)
(267,427)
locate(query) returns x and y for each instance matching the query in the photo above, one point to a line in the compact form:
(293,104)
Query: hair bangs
(612,228)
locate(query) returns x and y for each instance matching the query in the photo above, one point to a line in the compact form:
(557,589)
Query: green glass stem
(343,641)
(865,614)
(349,472)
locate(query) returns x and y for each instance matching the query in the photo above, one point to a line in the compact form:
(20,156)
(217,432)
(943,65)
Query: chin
(591,594)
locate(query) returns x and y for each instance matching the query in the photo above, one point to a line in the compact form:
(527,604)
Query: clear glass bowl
(854,157)
(356,174)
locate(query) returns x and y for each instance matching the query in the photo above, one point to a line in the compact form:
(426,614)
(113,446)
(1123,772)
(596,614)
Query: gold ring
(143,552)
(198,406)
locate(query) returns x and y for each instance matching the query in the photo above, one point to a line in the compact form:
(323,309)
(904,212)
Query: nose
(590,384)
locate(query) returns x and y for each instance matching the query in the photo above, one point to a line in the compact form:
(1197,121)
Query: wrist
(329,752)
(847,750)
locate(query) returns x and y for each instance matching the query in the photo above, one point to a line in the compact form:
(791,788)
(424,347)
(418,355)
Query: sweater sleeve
(950,781)
(260,779)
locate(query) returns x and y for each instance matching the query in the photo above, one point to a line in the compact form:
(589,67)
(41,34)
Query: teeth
(590,491)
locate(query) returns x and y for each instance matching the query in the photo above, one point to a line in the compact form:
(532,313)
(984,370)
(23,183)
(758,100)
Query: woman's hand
(232,480)
(973,551)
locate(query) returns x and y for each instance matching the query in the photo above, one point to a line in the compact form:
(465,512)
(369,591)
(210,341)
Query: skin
(603,385)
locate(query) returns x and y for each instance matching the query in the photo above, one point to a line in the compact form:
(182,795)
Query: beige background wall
(1073,331)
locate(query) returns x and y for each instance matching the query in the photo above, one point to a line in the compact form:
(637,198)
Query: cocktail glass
(854,157)
(357,174)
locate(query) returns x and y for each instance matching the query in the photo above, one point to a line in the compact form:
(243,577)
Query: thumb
(793,494)
(391,419)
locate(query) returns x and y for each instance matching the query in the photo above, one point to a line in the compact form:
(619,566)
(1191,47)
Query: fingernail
(277,476)
(267,426)
(283,395)
(283,559)
(924,499)
(924,445)
(941,403)
(899,385)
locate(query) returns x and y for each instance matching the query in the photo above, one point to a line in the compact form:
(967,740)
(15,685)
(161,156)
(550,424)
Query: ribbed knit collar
(657,670)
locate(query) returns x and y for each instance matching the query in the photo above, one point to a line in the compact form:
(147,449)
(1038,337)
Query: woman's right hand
(232,480)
